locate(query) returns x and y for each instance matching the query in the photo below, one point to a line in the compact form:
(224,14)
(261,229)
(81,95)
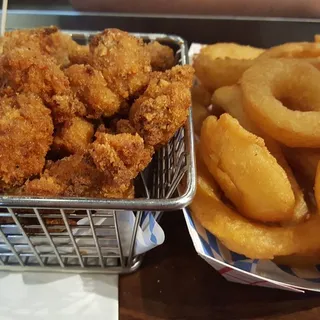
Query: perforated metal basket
(63,234)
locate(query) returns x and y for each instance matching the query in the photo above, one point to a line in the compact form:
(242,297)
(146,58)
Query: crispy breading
(164,107)
(106,170)
(25,137)
(121,156)
(79,54)
(25,70)
(123,60)
(162,57)
(91,88)
(73,136)
(47,40)
(75,176)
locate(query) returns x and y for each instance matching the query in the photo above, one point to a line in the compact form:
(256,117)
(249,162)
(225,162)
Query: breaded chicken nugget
(25,137)
(162,57)
(24,70)
(121,156)
(107,170)
(75,176)
(73,136)
(164,107)
(48,41)
(79,54)
(123,60)
(90,87)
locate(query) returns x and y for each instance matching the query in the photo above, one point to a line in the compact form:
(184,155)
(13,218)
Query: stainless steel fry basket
(66,234)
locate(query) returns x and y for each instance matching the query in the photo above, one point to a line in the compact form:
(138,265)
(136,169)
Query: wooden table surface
(175,283)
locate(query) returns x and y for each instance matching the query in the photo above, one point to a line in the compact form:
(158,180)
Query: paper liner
(238,268)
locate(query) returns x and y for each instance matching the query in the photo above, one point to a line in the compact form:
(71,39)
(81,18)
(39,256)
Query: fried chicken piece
(59,45)
(164,107)
(91,88)
(183,74)
(66,106)
(23,70)
(123,60)
(46,41)
(26,130)
(121,156)
(79,54)
(75,176)
(73,136)
(162,57)
(106,170)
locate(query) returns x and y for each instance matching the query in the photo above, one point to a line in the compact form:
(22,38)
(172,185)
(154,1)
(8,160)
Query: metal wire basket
(62,234)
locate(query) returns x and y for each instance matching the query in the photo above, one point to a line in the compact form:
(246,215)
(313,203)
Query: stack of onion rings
(268,82)
(269,158)
(254,240)
(223,64)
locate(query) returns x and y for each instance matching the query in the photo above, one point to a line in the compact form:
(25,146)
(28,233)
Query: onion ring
(239,160)
(317,186)
(230,100)
(223,64)
(297,50)
(252,239)
(296,83)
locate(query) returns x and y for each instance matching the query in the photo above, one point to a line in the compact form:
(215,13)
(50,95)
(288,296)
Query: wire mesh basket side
(44,239)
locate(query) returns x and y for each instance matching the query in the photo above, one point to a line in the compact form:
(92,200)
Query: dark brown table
(175,283)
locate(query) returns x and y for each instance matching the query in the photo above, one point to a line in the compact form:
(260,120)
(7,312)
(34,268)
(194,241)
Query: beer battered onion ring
(239,160)
(223,64)
(252,239)
(271,87)
(293,50)
(230,100)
